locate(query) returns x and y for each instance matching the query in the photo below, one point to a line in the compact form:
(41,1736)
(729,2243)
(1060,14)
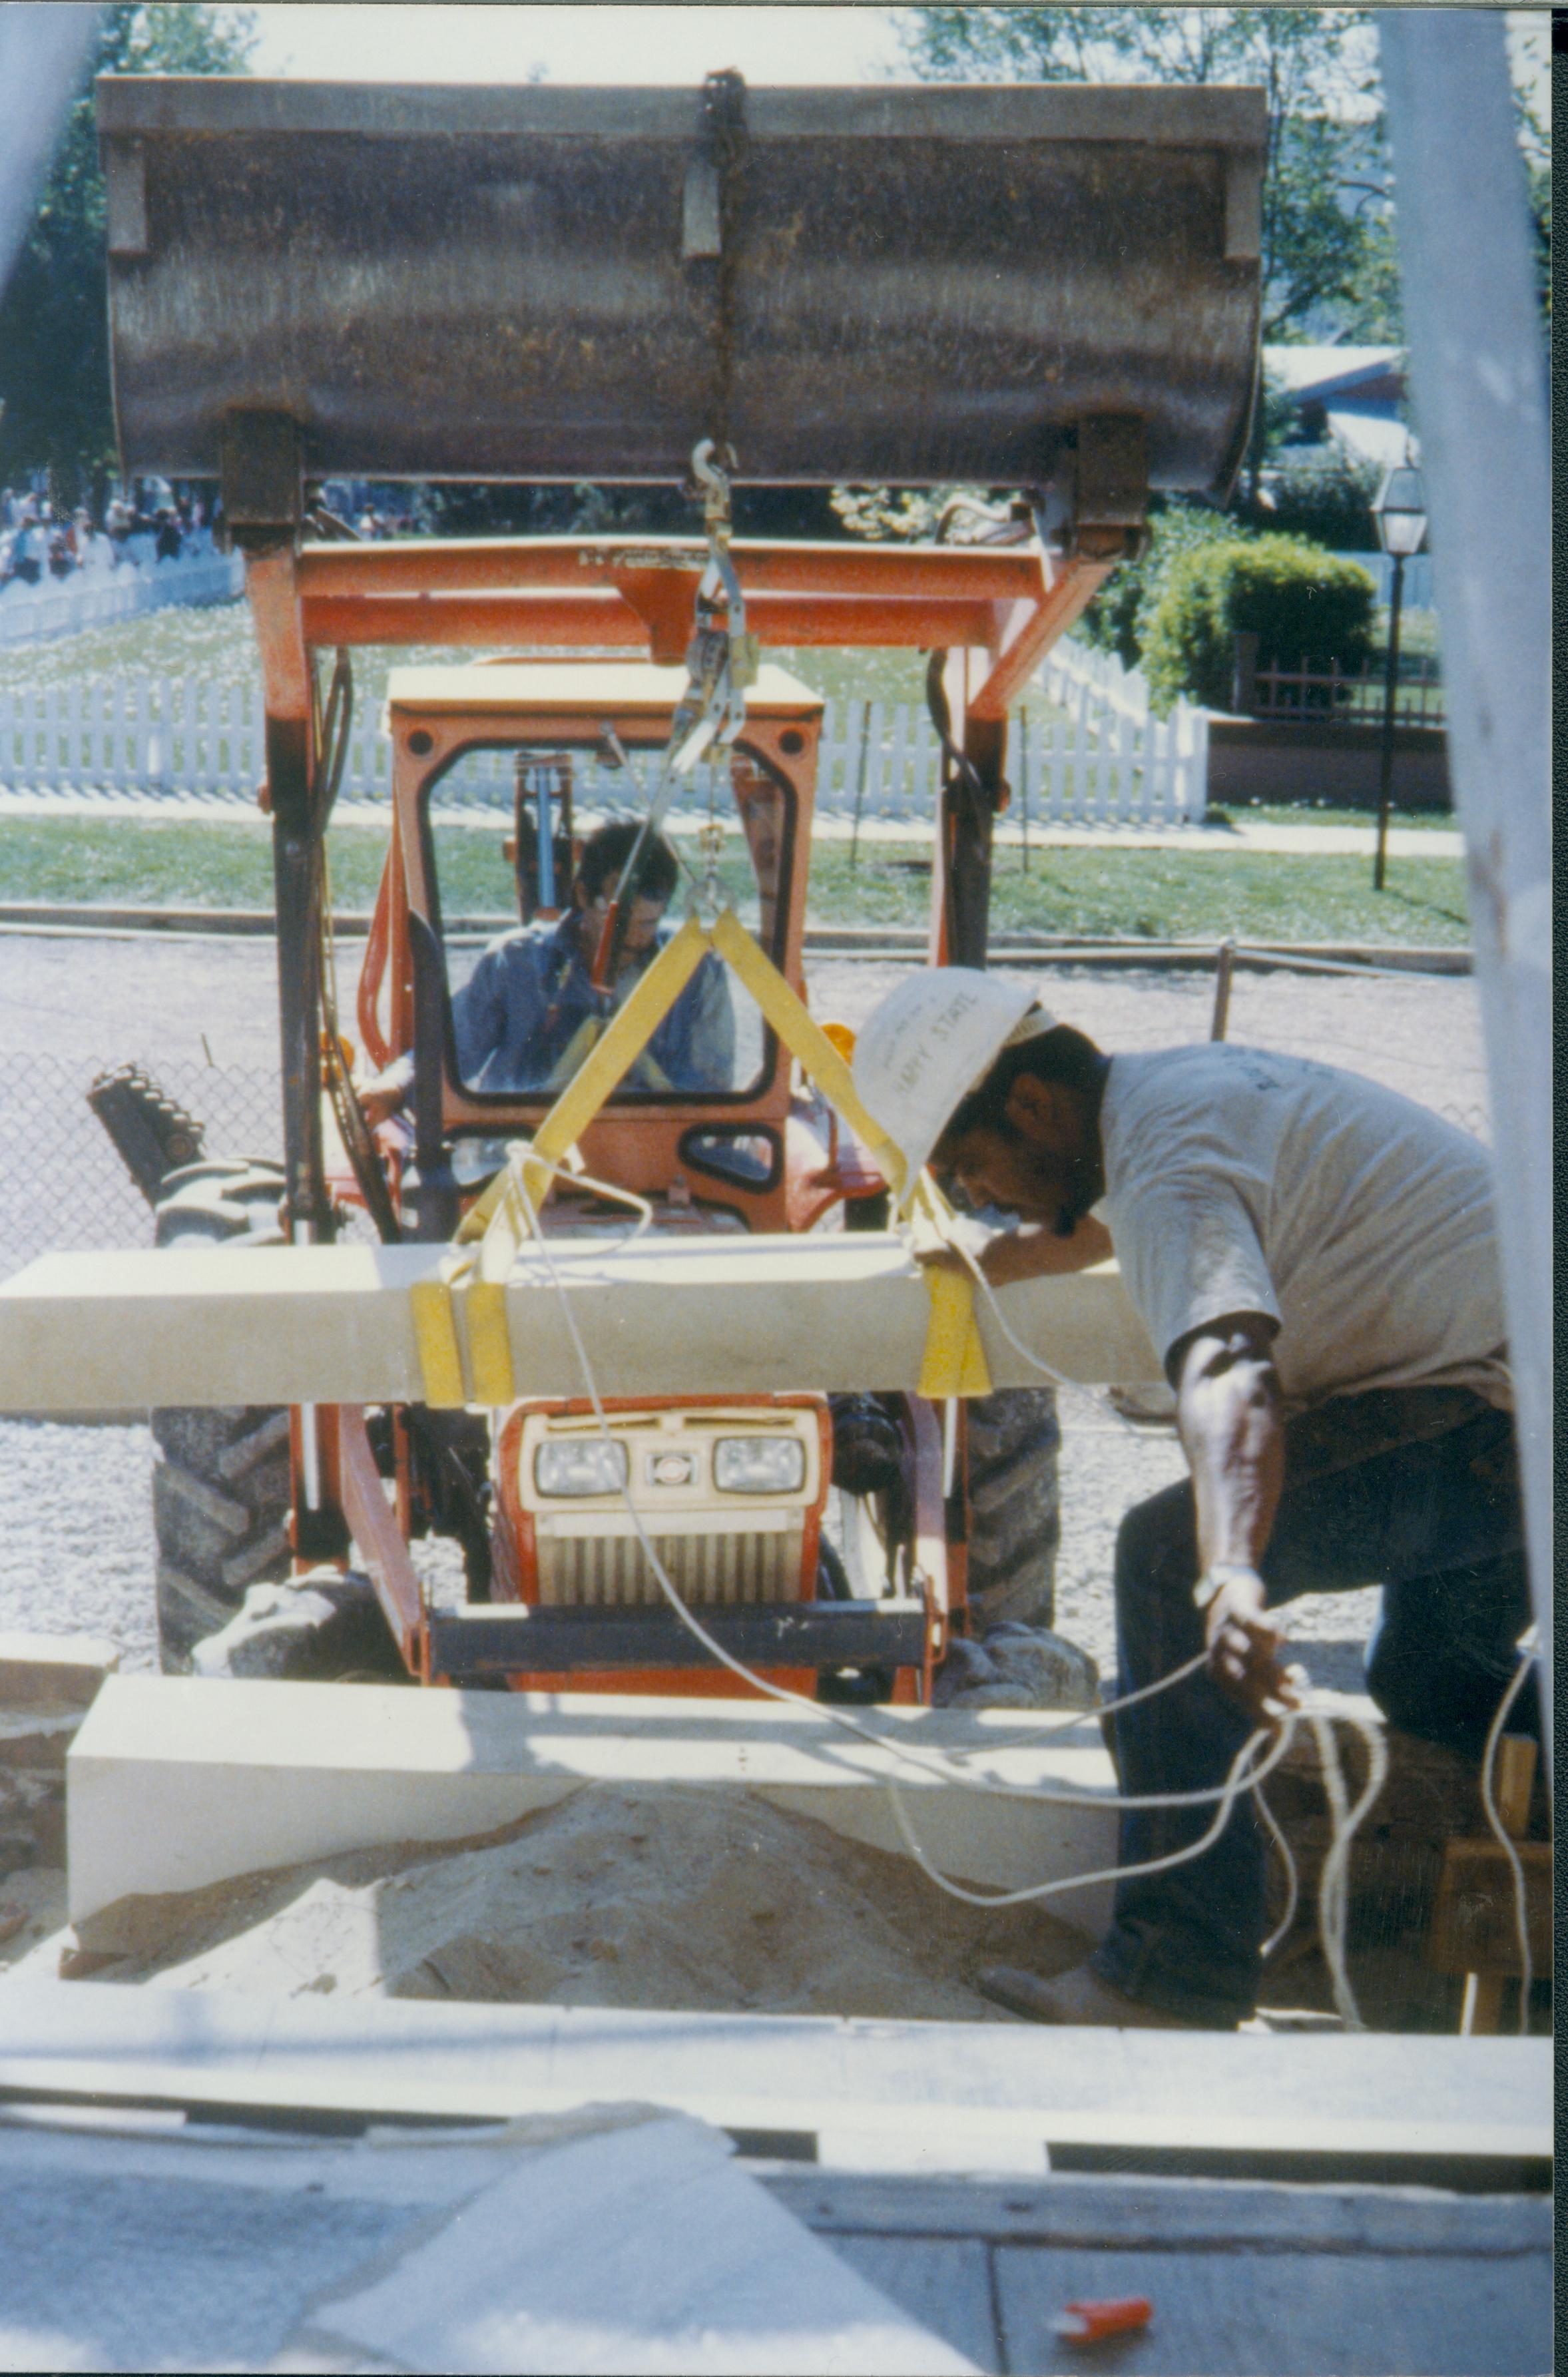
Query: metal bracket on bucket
(261,470)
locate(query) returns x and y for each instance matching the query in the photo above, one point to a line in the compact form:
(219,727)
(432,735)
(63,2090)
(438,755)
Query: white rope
(1292,1879)
(1246,1769)
(1333,1884)
(1024,1352)
(1488,1768)
(1241,1777)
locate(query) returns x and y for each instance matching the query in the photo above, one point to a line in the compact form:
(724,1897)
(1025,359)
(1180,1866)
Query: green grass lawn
(1255,895)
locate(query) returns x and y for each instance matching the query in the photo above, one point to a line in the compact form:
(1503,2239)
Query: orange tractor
(1054,288)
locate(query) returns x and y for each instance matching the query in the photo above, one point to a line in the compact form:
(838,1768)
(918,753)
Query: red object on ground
(1086,2322)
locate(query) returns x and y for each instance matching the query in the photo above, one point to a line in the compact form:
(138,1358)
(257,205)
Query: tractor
(1054,290)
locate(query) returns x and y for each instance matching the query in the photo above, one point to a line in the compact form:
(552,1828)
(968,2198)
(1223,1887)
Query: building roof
(1319,374)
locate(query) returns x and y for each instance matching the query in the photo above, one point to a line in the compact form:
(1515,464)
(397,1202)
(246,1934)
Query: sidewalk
(1206,840)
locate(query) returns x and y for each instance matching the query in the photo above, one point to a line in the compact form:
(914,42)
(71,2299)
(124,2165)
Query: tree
(54,316)
(1316,66)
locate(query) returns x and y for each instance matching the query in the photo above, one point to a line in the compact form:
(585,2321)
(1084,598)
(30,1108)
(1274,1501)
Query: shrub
(1302,602)
(1323,495)
(1118,618)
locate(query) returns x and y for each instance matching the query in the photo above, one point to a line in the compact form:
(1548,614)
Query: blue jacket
(520,1011)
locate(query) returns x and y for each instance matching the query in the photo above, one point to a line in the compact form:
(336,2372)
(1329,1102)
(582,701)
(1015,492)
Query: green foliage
(1535,142)
(911,514)
(1302,604)
(1118,618)
(53,316)
(1322,493)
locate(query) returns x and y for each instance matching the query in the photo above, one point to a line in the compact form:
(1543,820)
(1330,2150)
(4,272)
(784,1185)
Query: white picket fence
(1107,762)
(99,597)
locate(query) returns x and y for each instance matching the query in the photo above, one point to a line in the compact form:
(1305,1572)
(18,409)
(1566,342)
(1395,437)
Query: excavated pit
(678,1899)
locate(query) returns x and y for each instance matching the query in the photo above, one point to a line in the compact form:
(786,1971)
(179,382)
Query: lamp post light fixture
(1399,508)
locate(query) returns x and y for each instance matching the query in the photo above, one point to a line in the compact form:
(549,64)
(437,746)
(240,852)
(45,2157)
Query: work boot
(1077,1997)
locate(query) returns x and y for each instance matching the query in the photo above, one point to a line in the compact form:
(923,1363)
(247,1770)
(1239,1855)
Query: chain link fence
(63,1186)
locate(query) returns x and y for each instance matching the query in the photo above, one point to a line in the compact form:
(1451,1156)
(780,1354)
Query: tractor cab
(510,781)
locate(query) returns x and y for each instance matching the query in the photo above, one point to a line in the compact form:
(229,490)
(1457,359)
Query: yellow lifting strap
(954,1360)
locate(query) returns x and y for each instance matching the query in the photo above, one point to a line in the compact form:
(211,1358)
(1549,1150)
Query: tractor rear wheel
(220,1488)
(1014,1510)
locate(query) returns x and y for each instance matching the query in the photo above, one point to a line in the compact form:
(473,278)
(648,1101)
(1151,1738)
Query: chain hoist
(721,663)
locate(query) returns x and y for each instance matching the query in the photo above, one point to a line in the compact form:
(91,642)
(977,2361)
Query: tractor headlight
(758,1464)
(579,1465)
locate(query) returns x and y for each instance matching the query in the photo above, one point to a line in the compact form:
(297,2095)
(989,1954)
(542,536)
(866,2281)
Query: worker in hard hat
(1315,1260)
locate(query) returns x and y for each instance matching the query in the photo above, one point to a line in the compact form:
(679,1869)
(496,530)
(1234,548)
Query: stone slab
(1286,2314)
(943,2282)
(175,1782)
(54,1670)
(641,2248)
(37,1738)
(1334,2093)
(334,1324)
(618,2238)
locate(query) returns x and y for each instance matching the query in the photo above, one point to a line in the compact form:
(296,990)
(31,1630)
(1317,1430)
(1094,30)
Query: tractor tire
(1014,1509)
(153,1134)
(220,1488)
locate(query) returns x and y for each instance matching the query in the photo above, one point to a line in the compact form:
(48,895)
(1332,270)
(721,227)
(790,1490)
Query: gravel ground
(78,1549)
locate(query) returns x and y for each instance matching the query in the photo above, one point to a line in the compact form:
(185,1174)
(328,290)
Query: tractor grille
(708,1571)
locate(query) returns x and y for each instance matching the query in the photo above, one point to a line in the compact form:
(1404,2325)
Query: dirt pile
(685,1899)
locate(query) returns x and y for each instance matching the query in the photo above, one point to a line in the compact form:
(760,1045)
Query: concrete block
(54,1670)
(175,1782)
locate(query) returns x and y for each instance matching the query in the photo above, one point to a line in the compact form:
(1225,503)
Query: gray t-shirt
(1240,1181)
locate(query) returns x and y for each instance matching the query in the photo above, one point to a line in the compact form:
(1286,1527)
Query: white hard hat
(930,1042)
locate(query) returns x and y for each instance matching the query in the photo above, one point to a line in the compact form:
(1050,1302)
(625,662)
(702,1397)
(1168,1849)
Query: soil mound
(687,1899)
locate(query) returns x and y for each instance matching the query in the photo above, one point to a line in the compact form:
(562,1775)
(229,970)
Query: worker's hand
(941,1258)
(379,1105)
(1029,1253)
(1243,1646)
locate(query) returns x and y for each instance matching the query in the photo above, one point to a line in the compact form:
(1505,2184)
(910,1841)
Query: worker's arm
(387,1093)
(1228,1414)
(478,1017)
(1032,1251)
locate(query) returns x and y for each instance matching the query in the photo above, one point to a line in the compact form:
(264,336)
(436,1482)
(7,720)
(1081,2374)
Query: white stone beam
(175,1782)
(335,1324)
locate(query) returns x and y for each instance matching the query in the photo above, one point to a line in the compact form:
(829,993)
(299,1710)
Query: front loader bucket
(888,284)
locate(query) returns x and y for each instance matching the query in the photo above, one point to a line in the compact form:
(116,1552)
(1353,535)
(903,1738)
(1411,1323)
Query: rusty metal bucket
(888,284)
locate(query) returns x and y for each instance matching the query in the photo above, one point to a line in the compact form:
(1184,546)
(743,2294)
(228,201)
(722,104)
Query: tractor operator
(528,1014)
(1315,1260)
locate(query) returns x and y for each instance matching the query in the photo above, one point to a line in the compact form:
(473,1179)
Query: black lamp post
(1400,511)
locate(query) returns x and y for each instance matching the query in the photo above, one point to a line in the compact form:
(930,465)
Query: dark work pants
(1415,1489)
